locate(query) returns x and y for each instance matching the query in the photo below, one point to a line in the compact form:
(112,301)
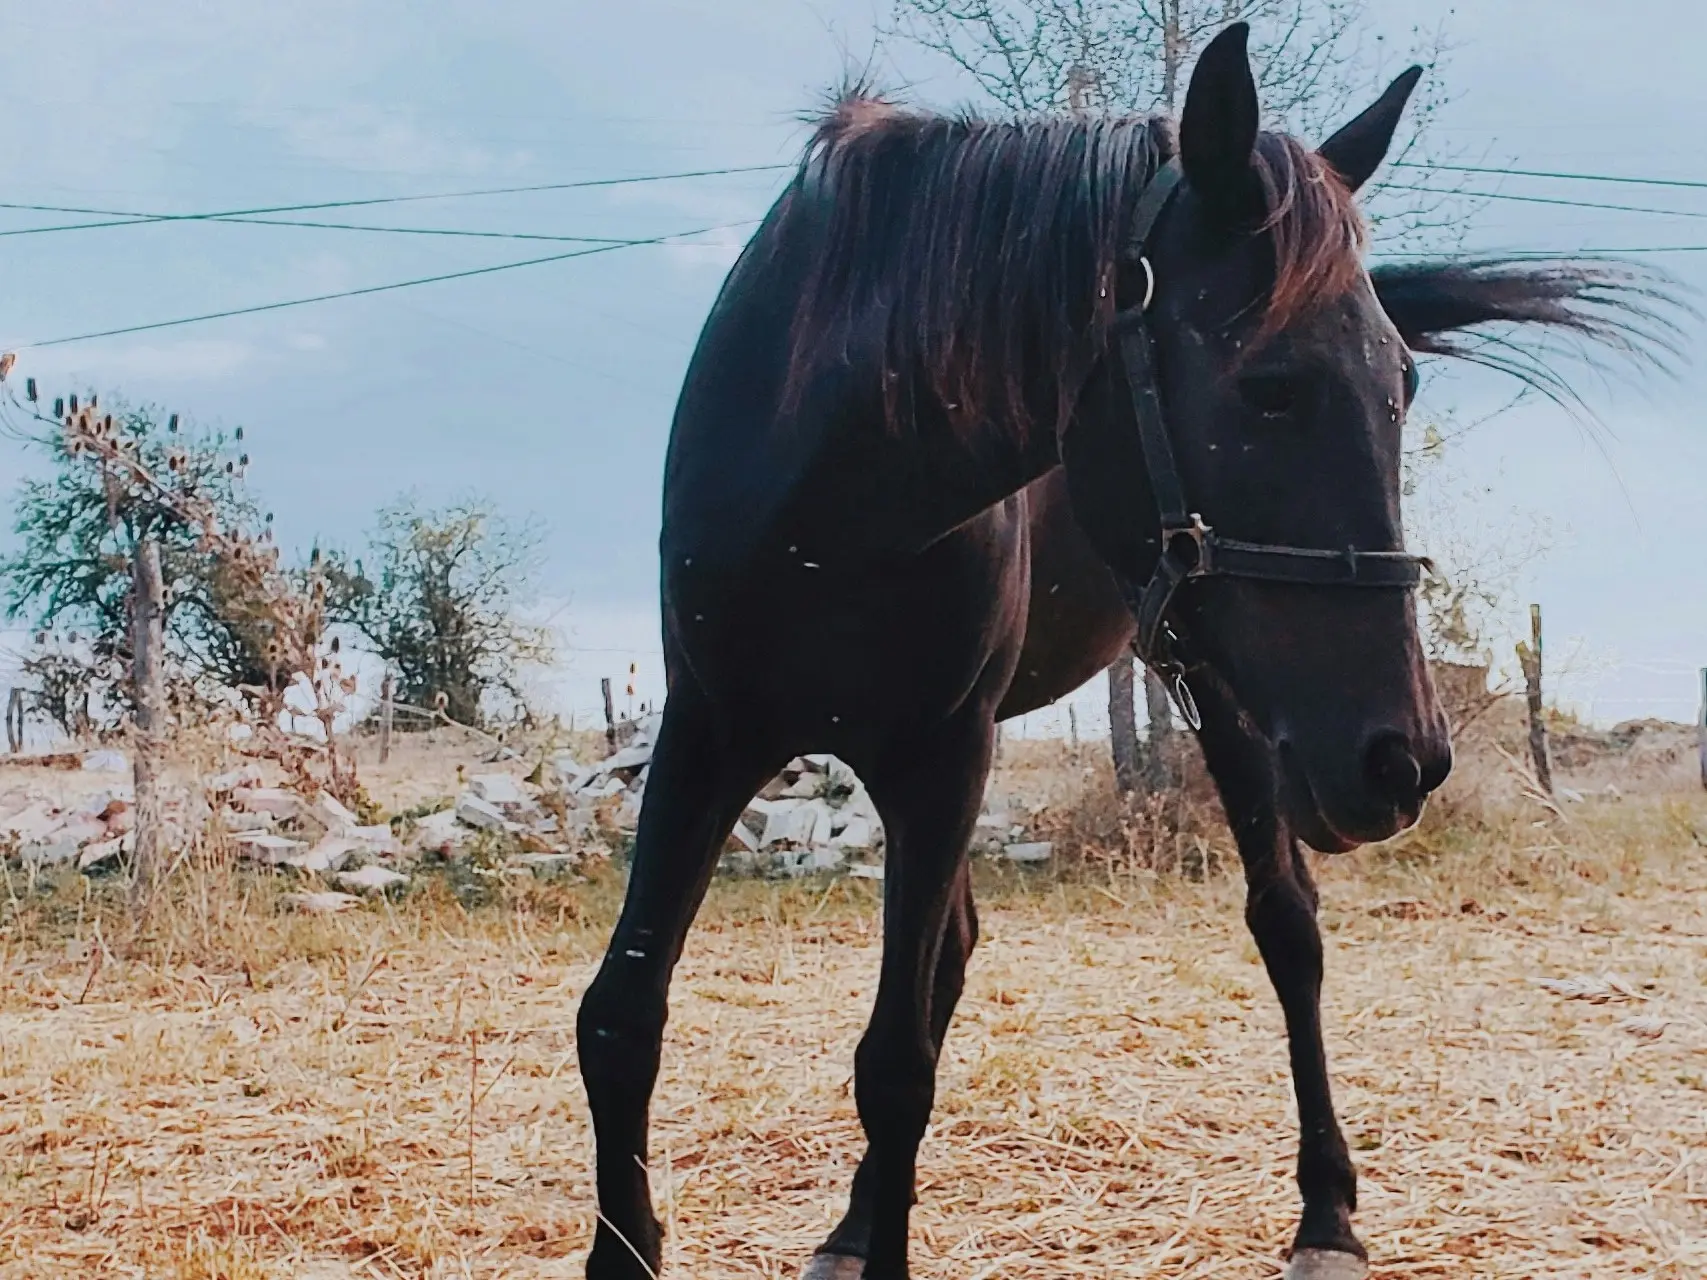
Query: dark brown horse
(914,487)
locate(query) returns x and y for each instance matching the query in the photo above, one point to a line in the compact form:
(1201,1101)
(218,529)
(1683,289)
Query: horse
(981,404)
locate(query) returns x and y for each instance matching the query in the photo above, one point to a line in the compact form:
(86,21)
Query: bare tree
(1316,61)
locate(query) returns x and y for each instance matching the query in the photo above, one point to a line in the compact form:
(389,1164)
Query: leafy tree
(441,606)
(79,525)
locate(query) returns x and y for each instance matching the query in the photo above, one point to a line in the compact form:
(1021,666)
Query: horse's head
(1283,388)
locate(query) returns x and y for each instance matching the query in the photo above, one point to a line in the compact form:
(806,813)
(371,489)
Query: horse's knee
(1281,915)
(619,1028)
(894,1085)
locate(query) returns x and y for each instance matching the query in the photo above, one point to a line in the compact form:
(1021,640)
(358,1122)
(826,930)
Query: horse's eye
(1272,395)
(1413,380)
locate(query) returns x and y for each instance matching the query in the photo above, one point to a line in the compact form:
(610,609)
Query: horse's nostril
(1393,771)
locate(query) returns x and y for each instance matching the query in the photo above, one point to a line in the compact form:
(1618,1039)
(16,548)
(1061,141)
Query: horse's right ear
(1218,129)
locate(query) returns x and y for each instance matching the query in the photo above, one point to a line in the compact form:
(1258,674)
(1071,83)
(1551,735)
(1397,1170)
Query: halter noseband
(1191,548)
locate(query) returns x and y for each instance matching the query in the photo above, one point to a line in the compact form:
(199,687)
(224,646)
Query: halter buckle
(1198,560)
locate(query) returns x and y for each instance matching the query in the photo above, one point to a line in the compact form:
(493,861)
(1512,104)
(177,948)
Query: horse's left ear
(1357,150)
(1218,129)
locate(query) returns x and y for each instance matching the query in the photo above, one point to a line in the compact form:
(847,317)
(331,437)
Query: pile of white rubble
(815,817)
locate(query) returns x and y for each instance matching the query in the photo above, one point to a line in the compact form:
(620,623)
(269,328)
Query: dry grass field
(239,1092)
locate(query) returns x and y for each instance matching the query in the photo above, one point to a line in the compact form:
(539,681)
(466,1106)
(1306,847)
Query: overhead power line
(125,220)
(130,219)
(1498,172)
(375,288)
(1549,200)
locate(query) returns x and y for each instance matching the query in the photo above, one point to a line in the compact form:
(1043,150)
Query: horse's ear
(1218,129)
(1357,150)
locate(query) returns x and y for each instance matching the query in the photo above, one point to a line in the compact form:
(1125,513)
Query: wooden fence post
(1160,751)
(1529,657)
(148,640)
(15,721)
(387,696)
(610,715)
(1123,724)
(1701,728)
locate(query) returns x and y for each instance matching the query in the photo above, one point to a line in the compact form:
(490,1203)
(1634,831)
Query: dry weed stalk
(288,607)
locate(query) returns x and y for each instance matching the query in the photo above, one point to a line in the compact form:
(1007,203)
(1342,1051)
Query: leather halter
(1190,547)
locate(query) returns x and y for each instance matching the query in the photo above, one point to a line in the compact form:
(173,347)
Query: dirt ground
(239,1092)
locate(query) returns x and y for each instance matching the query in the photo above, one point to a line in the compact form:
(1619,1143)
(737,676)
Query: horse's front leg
(699,783)
(1280,908)
(928,795)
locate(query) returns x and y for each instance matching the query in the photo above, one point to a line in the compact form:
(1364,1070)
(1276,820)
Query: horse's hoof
(833,1266)
(1325,1264)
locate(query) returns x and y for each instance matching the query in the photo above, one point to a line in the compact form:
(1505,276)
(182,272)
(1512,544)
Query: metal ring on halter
(1149,284)
(1186,703)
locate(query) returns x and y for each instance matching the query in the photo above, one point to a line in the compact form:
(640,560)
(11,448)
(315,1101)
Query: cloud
(185,360)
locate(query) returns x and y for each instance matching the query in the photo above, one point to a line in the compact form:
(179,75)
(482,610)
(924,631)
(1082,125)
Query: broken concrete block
(238,821)
(498,789)
(999,822)
(580,821)
(283,805)
(329,854)
(94,855)
(225,783)
(51,850)
(321,904)
(808,786)
(30,823)
(371,880)
(378,838)
(104,804)
(823,857)
(1039,851)
(860,803)
(799,826)
(439,831)
(857,834)
(62,842)
(865,871)
(106,760)
(761,805)
(331,814)
(266,847)
(743,836)
(571,773)
(483,814)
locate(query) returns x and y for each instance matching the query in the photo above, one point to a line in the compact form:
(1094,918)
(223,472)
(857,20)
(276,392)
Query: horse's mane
(989,250)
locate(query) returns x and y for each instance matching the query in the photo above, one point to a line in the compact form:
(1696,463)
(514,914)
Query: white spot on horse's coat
(792,550)
(686,561)
(1055,588)
(835,719)
(699,617)
(811,564)
(634,955)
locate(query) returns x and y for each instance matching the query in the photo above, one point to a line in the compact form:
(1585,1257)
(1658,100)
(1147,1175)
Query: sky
(550,388)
